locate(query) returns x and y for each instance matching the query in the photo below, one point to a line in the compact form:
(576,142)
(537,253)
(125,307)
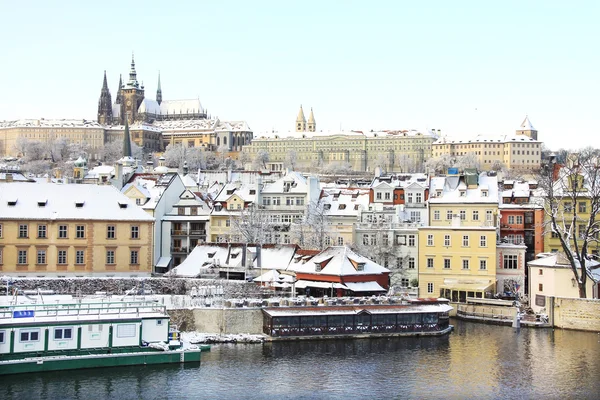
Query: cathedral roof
(50,123)
(526,125)
(171,107)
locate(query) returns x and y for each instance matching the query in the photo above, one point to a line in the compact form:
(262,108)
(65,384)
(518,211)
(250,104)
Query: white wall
(153,332)
(93,335)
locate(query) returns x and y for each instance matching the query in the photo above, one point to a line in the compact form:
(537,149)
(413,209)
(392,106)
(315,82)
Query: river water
(474,362)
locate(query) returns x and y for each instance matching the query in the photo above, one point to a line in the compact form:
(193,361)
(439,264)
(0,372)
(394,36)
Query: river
(474,362)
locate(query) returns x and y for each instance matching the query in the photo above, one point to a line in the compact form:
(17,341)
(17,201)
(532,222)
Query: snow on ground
(197,337)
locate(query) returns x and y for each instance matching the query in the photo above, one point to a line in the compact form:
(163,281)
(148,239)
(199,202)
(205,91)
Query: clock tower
(132,95)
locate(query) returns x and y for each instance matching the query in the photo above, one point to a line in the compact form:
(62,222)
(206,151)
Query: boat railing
(113,308)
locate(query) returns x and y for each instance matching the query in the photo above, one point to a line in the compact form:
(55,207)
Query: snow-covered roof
(206,125)
(188,181)
(331,134)
(512,137)
(295,183)
(70,201)
(340,261)
(454,189)
(416,180)
(171,107)
(50,123)
(344,202)
(241,190)
(526,125)
(354,310)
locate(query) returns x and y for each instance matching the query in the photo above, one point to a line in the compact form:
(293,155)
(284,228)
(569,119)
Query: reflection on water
(475,361)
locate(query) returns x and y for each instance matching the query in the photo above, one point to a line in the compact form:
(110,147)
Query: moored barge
(62,336)
(419,317)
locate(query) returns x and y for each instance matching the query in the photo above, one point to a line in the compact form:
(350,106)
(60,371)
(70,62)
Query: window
(430,287)
(568,206)
(41,257)
(447,240)
(62,231)
(411,240)
(489,216)
(511,219)
(582,209)
(465,241)
(411,263)
(135,232)
(227,222)
(418,197)
(540,272)
(111,232)
(540,287)
(436,215)
(126,330)
(42,231)
(430,263)
(181,211)
(388,196)
(138,202)
(482,264)
(340,241)
(22,257)
(415,216)
(62,257)
(327,241)
(463,215)
(133,257)
(519,219)
(63,333)
(475,215)
(23,231)
(446,263)
(378,196)
(510,261)
(0,231)
(80,231)
(0,255)
(465,264)
(482,241)
(401,239)
(79,256)
(373,240)
(429,240)
(2,337)
(448,215)
(110,256)
(365,240)
(29,335)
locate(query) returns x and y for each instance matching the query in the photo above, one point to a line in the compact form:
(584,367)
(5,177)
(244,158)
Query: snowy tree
(291,159)
(260,159)
(571,205)
(111,152)
(222,158)
(57,149)
(439,164)
(311,231)
(21,145)
(251,224)
(196,158)
(467,161)
(244,159)
(174,155)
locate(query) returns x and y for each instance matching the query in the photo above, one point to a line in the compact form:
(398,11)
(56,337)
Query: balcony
(284,207)
(179,232)
(179,250)
(415,205)
(198,232)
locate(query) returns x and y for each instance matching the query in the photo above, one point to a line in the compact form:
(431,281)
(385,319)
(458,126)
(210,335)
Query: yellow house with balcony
(457,262)
(72,230)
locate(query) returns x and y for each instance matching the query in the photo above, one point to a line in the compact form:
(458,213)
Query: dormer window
(439,193)
(342,206)
(211,255)
(360,266)
(252,191)
(12,202)
(463,193)
(484,193)
(230,191)
(121,204)
(327,206)
(42,203)
(79,204)
(318,267)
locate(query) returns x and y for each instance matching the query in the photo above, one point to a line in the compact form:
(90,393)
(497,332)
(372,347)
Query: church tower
(119,99)
(159,92)
(527,129)
(312,124)
(105,104)
(132,95)
(301,121)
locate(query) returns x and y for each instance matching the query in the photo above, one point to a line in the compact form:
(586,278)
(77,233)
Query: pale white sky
(464,67)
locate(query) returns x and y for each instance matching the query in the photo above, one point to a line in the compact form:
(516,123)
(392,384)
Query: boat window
(30,335)
(2,335)
(126,330)
(159,322)
(63,333)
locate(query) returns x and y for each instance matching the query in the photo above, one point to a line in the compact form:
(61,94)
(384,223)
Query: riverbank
(214,338)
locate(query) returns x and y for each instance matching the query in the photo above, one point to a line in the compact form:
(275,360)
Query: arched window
(225,140)
(218,141)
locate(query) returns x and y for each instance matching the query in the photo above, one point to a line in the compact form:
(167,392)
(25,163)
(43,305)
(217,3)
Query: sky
(464,67)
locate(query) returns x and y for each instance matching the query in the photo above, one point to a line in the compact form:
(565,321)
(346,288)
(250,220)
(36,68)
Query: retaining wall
(573,313)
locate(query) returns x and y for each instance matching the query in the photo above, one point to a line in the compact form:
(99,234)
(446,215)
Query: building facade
(72,230)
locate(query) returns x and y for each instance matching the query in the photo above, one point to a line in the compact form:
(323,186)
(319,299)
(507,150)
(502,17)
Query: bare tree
(571,204)
(439,164)
(291,159)
(244,159)
(311,231)
(261,159)
(467,161)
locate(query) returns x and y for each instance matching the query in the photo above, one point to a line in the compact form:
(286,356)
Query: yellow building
(457,262)
(470,199)
(519,151)
(72,230)
(404,151)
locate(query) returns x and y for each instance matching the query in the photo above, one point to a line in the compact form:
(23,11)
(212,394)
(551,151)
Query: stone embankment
(212,338)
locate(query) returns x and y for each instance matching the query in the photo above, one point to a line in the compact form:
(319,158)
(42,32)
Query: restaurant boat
(418,317)
(62,336)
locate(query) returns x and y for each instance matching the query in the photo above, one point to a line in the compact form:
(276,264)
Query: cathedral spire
(159,91)
(105,104)
(300,121)
(312,124)
(132,74)
(126,141)
(119,97)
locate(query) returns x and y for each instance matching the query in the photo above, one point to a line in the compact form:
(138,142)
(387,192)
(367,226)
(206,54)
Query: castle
(131,104)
